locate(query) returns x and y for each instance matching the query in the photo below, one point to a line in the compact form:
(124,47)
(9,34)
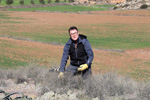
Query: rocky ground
(133,4)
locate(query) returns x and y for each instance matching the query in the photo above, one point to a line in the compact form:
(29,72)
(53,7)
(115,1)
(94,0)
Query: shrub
(56,1)
(32,2)
(3,84)
(144,6)
(108,86)
(48,1)
(9,2)
(42,2)
(71,0)
(21,2)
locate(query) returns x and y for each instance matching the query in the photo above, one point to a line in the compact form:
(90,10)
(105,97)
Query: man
(80,52)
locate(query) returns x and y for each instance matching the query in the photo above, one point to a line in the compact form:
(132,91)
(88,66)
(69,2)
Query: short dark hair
(72,28)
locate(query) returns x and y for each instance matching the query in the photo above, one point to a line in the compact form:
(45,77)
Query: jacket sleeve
(89,52)
(64,59)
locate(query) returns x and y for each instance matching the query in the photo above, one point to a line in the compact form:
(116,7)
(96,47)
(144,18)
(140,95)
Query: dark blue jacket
(83,54)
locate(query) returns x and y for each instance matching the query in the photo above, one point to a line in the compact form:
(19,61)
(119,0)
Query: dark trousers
(73,71)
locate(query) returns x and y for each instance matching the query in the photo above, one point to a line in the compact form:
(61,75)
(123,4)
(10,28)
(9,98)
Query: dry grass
(103,86)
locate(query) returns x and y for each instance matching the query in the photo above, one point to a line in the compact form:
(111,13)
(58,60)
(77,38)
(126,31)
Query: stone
(72,97)
(95,98)
(133,4)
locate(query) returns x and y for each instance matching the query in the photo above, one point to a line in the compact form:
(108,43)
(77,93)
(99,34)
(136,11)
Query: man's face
(74,34)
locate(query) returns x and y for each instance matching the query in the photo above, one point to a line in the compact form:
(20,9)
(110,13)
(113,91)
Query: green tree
(32,2)
(57,1)
(71,1)
(9,2)
(21,2)
(42,2)
(48,1)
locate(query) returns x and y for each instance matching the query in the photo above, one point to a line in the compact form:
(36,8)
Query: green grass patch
(104,6)
(147,63)
(4,16)
(5,61)
(117,36)
(123,38)
(66,8)
(140,74)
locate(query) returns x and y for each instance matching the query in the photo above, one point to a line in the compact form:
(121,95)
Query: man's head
(73,32)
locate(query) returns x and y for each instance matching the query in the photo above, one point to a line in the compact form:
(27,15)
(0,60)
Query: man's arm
(89,52)
(64,59)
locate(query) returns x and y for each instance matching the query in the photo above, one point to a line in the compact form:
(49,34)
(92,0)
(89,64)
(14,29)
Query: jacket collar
(80,39)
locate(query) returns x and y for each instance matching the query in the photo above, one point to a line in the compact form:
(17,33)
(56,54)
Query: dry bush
(2,74)
(103,86)
(3,83)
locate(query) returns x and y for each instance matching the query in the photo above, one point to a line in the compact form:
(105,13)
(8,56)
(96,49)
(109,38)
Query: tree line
(9,2)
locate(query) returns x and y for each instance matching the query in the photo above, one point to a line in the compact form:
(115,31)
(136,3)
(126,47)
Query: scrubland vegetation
(108,86)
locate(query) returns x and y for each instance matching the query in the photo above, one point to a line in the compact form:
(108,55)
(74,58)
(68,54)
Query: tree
(32,2)
(9,2)
(48,1)
(57,1)
(42,2)
(21,2)
(71,0)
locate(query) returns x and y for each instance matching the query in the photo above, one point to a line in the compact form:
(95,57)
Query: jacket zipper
(76,52)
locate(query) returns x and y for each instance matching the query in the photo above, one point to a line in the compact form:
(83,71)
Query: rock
(69,92)
(92,2)
(47,96)
(133,4)
(114,98)
(72,97)
(95,98)
(64,97)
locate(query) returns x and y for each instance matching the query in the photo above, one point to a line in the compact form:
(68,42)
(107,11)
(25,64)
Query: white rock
(95,98)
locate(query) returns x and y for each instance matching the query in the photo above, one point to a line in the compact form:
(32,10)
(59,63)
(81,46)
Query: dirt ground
(37,21)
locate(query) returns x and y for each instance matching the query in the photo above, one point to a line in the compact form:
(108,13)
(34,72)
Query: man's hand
(83,67)
(61,75)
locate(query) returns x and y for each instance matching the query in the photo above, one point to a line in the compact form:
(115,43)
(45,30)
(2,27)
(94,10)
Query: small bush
(9,2)
(32,2)
(106,86)
(56,1)
(48,1)
(3,84)
(71,1)
(144,6)
(2,74)
(21,2)
(42,2)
